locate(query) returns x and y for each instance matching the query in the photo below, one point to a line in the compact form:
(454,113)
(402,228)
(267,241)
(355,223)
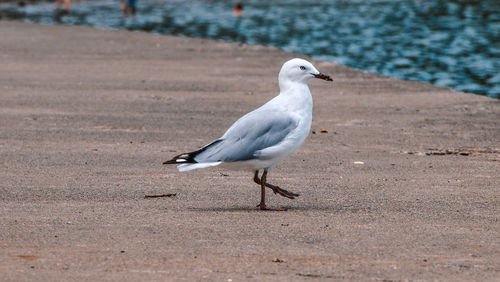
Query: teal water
(454,44)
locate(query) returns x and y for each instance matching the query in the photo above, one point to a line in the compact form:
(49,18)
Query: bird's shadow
(334,209)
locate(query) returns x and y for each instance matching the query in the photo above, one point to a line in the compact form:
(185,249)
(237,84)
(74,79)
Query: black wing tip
(186,158)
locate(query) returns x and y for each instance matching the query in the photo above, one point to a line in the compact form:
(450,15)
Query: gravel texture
(403,186)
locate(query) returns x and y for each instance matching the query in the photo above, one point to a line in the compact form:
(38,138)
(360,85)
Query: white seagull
(267,135)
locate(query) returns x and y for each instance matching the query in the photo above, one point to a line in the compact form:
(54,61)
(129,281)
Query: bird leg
(276,189)
(263,185)
(262,204)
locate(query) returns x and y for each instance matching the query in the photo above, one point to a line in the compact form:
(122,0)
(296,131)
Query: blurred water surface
(454,44)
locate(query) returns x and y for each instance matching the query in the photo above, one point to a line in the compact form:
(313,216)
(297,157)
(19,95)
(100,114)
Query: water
(453,44)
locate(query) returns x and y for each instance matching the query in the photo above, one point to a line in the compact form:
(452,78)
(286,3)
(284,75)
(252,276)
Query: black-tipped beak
(323,76)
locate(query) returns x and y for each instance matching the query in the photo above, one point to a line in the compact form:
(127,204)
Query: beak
(323,76)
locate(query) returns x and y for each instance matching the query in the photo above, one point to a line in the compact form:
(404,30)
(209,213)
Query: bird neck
(287,86)
(298,94)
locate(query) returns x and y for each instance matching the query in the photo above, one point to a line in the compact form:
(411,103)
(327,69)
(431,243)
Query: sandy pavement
(404,186)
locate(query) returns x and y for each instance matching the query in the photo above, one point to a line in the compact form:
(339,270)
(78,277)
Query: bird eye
(302,68)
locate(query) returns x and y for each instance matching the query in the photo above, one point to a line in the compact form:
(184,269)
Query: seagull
(262,138)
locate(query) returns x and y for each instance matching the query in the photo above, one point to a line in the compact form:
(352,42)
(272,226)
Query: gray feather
(253,132)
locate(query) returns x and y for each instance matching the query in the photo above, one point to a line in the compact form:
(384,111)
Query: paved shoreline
(404,186)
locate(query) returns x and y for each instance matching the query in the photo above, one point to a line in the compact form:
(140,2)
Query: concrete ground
(404,186)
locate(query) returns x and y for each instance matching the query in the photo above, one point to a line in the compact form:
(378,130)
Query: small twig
(159,196)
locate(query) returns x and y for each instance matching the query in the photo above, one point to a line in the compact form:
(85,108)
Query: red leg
(276,189)
(262,204)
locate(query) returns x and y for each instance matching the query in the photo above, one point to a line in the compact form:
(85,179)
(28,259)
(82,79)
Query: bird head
(299,70)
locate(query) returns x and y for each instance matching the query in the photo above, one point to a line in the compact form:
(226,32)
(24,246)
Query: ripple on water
(453,44)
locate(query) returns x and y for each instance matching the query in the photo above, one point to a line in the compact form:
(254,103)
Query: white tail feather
(188,167)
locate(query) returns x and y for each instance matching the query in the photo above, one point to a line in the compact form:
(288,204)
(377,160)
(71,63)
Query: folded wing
(249,135)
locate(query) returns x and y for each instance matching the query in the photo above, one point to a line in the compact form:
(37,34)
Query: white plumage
(264,137)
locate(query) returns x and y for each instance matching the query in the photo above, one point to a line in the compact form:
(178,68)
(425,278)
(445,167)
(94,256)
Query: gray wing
(253,132)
